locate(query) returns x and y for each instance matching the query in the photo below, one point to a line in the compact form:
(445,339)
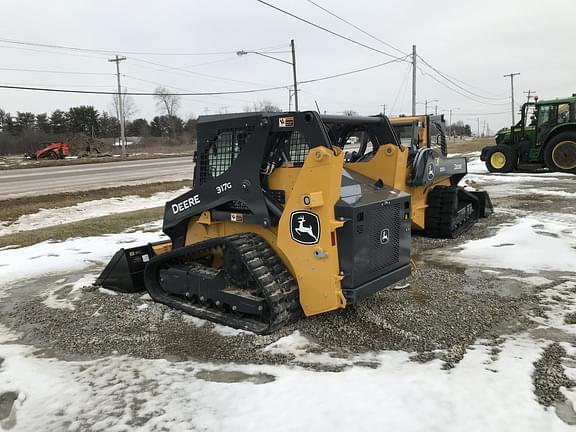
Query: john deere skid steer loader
(440,207)
(419,166)
(277,223)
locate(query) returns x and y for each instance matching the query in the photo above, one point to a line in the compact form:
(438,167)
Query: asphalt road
(46,180)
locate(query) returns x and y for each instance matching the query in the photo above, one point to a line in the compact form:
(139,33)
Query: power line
(198,74)
(58,90)
(103,51)
(186,90)
(328,30)
(51,84)
(357,28)
(474,87)
(350,72)
(106,52)
(53,52)
(459,92)
(164,69)
(456,113)
(55,90)
(458,85)
(55,71)
(402,87)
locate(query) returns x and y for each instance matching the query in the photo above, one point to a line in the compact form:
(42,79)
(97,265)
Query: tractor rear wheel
(502,159)
(560,153)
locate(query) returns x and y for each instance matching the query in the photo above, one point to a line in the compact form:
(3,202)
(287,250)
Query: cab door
(547,119)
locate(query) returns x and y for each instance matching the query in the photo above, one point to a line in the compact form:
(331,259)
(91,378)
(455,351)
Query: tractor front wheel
(560,153)
(502,159)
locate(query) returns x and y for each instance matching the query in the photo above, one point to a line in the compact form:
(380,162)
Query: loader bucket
(486,208)
(125,271)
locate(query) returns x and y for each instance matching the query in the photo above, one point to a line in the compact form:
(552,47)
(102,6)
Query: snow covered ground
(372,391)
(85,210)
(120,393)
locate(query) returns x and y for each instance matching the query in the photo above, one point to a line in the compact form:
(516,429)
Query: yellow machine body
(316,269)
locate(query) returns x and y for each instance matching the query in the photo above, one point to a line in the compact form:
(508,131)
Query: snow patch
(63,295)
(53,258)
(220,329)
(107,291)
(529,245)
(531,280)
(86,210)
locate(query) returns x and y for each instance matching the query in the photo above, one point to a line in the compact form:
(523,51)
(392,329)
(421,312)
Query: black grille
(298,147)
(222,150)
(234,206)
(384,254)
(278,195)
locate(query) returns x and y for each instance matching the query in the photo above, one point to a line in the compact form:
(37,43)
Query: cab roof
(569,100)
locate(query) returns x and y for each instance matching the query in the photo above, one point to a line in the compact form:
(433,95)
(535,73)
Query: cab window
(546,116)
(563,113)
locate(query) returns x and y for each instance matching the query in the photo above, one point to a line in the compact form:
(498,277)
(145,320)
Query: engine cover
(374,243)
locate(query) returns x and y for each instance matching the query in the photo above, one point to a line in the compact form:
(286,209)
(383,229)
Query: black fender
(486,151)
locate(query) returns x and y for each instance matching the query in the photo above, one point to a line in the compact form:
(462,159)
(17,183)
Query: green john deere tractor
(545,137)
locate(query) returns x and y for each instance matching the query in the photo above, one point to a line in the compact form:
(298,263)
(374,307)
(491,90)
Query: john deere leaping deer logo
(305,227)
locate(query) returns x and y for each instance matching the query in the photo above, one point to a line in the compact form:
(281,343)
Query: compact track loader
(440,208)
(278,223)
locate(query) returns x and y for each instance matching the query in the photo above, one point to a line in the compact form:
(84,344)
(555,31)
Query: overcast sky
(473,42)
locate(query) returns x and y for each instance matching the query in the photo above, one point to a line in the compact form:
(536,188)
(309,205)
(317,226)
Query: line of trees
(459,129)
(24,131)
(89,121)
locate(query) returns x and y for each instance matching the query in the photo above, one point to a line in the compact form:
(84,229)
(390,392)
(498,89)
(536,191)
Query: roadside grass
(477,144)
(110,224)
(17,163)
(12,209)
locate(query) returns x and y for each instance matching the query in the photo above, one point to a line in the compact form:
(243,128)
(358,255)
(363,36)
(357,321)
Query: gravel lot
(445,310)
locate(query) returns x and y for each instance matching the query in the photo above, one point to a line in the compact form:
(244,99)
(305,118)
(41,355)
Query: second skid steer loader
(418,166)
(277,223)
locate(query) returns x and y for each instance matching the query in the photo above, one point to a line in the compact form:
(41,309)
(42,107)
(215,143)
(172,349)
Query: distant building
(129,141)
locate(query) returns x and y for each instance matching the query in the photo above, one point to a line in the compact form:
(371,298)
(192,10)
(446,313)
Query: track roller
(452,211)
(237,281)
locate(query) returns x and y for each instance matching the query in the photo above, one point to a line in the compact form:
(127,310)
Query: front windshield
(405,132)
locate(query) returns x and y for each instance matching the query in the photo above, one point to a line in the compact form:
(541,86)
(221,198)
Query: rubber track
(443,204)
(275,283)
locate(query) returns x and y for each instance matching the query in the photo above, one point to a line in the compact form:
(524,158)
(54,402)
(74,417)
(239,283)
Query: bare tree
(167,102)
(350,113)
(128,106)
(262,106)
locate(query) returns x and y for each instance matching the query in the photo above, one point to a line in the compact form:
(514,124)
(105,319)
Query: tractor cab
(552,114)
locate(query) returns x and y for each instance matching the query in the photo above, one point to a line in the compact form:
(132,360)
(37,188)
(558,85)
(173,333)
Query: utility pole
(436,109)
(294,73)
(413,80)
(117,60)
(450,123)
(529,94)
(478,128)
(383,109)
(426,106)
(512,75)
